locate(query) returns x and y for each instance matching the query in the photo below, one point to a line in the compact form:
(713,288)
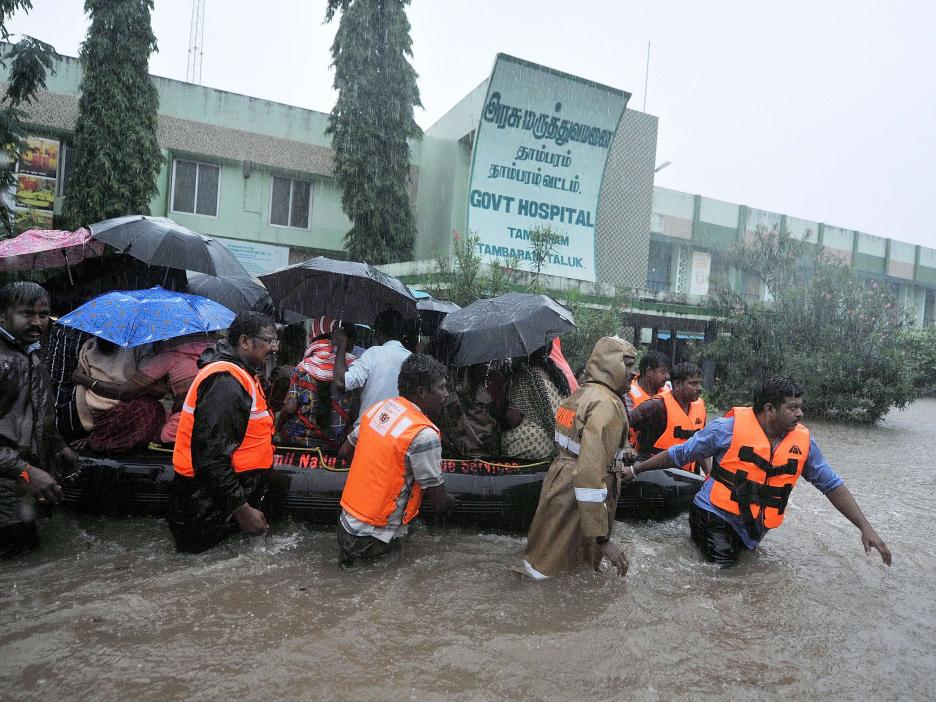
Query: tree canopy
(370,125)
(836,334)
(115,151)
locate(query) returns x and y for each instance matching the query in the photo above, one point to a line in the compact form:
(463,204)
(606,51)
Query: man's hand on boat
(41,485)
(346,452)
(616,556)
(440,501)
(250,519)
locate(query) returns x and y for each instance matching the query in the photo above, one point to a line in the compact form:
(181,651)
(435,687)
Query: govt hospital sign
(539,158)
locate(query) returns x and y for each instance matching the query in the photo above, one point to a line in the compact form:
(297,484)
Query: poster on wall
(39,157)
(539,158)
(33,196)
(257,258)
(34,193)
(701,270)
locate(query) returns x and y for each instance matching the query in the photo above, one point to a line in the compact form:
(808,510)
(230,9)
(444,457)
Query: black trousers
(18,538)
(197,519)
(715,537)
(352,548)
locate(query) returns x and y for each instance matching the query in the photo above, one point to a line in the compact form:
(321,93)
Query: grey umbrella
(432,312)
(161,242)
(346,290)
(238,293)
(510,326)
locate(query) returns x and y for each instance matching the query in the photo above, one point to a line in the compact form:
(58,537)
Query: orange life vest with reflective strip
(255,451)
(751,480)
(680,427)
(378,471)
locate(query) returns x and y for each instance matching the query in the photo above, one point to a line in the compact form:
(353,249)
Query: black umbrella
(510,326)
(238,293)
(346,290)
(432,312)
(161,242)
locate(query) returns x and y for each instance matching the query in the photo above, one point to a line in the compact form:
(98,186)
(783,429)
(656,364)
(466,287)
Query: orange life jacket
(255,451)
(753,481)
(638,396)
(378,470)
(680,427)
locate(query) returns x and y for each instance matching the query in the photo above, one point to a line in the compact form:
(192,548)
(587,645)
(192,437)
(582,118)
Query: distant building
(258,175)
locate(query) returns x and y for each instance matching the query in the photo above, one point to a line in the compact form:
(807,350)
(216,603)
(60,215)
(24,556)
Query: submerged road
(107,610)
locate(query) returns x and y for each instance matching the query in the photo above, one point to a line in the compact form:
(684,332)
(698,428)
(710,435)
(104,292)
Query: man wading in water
(759,454)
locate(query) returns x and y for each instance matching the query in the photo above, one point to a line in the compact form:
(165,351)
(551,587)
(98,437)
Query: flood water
(106,610)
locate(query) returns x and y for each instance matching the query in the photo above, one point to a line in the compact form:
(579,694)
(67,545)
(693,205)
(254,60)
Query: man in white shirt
(377,369)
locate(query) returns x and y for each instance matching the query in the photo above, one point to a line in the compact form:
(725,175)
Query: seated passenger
(537,386)
(316,413)
(173,368)
(475,414)
(116,423)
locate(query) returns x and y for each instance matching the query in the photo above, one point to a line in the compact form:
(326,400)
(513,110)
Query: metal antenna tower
(196,49)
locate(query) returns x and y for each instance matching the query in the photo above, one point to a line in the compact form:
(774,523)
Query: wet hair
(389,323)
(774,391)
(419,371)
(22,292)
(684,371)
(249,324)
(653,360)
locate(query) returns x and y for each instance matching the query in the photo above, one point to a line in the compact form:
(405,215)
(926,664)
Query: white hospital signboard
(539,159)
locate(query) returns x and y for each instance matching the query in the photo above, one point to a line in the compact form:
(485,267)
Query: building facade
(258,175)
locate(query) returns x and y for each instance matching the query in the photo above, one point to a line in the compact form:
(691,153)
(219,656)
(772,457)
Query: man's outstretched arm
(842,499)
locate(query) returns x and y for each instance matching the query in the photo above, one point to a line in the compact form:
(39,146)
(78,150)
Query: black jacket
(222,410)
(27,421)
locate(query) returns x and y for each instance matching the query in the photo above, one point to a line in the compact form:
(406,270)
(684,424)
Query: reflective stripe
(188,408)
(575,447)
(401,426)
(591,494)
(533,572)
(568,443)
(259,415)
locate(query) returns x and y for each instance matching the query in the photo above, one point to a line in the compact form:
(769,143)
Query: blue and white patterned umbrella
(135,317)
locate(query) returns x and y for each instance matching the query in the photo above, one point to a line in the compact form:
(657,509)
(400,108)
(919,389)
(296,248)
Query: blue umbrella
(135,317)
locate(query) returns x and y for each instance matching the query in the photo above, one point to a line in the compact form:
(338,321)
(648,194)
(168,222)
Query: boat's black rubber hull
(140,486)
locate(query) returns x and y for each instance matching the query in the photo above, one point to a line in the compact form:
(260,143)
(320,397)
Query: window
(289,203)
(659,262)
(195,187)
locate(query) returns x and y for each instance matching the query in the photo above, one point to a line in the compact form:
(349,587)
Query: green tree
(592,321)
(29,62)
(543,242)
(116,155)
(462,279)
(370,125)
(836,334)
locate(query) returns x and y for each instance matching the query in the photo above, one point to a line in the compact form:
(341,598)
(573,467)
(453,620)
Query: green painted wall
(869,264)
(244,208)
(713,236)
(926,275)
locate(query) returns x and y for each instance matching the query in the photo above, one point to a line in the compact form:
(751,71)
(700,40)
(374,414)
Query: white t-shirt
(376,370)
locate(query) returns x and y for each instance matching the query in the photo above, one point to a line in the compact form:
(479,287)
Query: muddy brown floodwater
(106,610)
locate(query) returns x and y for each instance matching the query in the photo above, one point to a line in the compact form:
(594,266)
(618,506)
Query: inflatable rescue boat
(306,485)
